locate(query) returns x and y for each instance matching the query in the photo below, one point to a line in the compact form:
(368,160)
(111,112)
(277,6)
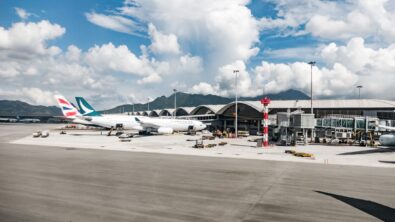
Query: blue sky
(70,14)
(122,51)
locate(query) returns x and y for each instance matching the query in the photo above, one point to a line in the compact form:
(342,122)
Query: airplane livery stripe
(63,101)
(71,114)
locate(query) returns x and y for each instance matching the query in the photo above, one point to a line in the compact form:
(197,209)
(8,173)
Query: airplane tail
(85,108)
(68,110)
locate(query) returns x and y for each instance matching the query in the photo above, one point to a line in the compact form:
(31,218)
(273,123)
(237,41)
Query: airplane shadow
(378,150)
(385,161)
(377,210)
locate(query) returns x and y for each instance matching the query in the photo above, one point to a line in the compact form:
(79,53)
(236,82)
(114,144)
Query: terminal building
(250,112)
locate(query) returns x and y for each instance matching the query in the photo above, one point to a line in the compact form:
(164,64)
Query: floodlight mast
(175,103)
(236,119)
(359,91)
(312,63)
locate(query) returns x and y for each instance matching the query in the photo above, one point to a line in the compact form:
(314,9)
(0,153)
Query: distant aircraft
(387,139)
(27,120)
(7,120)
(145,124)
(17,119)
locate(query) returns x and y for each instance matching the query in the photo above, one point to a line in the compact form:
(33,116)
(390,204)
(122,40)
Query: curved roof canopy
(184,111)
(206,109)
(154,113)
(166,112)
(256,106)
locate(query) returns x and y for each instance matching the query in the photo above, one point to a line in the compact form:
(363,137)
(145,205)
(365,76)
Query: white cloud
(22,13)
(9,69)
(296,53)
(226,79)
(355,24)
(73,53)
(220,32)
(374,67)
(191,40)
(345,66)
(291,15)
(153,78)
(26,38)
(32,64)
(225,82)
(161,43)
(38,96)
(335,20)
(109,58)
(32,95)
(354,55)
(114,22)
(274,78)
(205,89)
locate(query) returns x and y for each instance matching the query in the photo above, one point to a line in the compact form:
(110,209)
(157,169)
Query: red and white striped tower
(265,101)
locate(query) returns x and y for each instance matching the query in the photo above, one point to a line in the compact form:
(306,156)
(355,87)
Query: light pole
(236,72)
(133,107)
(312,63)
(359,91)
(148,103)
(175,103)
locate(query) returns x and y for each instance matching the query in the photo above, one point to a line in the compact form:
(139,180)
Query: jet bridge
(346,128)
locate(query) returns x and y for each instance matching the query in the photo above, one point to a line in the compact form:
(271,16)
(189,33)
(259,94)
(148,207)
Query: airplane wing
(146,124)
(387,127)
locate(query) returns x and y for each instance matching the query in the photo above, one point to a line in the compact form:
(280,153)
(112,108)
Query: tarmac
(55,183)
(241,148)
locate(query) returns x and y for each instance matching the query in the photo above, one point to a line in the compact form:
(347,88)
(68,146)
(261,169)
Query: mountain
(188,100)
(290,94)
(18,108)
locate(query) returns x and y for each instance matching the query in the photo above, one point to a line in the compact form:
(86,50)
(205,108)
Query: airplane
(8,120)
(107,121)
(387,139)
(70,112)
(27,120)
(17,119)
(97,120)
(146,124)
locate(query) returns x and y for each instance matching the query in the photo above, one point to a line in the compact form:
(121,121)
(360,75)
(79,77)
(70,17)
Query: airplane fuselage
(127,122)
(174,124)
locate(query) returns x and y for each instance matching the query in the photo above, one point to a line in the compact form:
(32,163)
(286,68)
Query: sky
(115,52)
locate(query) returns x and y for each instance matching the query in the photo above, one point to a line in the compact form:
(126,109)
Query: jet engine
(387,140)
(165,130)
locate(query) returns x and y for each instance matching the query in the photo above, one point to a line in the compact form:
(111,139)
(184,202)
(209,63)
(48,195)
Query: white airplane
(144,124)
(387,139)
(27,120)
(96,119)
(8,120)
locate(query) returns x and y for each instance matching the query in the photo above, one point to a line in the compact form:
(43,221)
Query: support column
(265,101)
(259,125)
